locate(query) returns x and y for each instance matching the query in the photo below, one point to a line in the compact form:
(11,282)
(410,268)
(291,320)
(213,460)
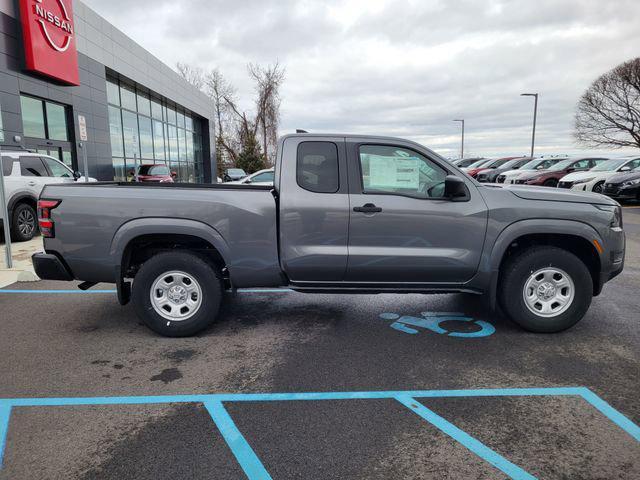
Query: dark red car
(155,173)
(473,172)
(551,176)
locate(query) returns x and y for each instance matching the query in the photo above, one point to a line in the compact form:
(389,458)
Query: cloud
(403,68)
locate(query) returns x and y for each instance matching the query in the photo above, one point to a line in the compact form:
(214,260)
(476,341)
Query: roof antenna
(298,130)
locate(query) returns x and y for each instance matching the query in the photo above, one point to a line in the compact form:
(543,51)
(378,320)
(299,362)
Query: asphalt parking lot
(559,406)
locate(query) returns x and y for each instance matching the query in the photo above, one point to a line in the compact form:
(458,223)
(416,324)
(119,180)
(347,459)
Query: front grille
(501,179)
(565,184)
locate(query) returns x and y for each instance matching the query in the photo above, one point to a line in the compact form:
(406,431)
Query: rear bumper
(50,267)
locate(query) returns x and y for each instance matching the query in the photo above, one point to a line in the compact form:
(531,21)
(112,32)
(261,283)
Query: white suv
(25,175)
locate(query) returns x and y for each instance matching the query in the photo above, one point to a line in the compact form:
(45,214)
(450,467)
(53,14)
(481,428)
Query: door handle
(367,208)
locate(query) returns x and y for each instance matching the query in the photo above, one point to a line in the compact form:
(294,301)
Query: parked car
(490,176)
(551,176)
(25,175)
(476,164)
(233,174)
(491,164)
(261,177)
(594,179)
(623,186)
(465,162)
(537,164)
(155,173)
(347,214)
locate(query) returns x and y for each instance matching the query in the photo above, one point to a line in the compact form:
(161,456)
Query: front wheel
(597,188)
(550,183)
(546,289)
(177,294)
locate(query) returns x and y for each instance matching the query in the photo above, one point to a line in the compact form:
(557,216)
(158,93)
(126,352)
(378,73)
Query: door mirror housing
(626,168)
(174,174)
(77,174)
(455,189)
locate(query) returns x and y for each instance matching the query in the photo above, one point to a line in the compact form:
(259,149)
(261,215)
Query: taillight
(44,217)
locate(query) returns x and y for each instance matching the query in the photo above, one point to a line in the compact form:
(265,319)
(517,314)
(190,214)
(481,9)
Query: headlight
(616,212)
(583,180)
(632,182)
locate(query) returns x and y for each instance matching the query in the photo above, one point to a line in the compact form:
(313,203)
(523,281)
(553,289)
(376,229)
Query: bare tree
(223,94)
(608,113)
(194,75)
(268,81)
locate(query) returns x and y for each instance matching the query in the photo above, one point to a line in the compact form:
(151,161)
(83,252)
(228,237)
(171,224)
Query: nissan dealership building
(62,67)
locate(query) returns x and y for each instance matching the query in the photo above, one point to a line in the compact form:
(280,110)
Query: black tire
(24,223)
(518,270)
(552,182)
(597,188)
(205,275)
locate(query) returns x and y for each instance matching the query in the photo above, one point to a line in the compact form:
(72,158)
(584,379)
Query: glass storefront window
(171,115)
(144,103)
(113,92)
(158,140)
(56,122)
(130,133)
(146,138)
(128,96)
(182,144)
(173,142)
(160,132)
(115,128)
(156,109)
(32,117)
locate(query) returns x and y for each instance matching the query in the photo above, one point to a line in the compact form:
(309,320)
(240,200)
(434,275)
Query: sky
(403,68)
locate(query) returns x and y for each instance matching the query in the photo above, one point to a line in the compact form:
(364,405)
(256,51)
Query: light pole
(461,120)
(535,114)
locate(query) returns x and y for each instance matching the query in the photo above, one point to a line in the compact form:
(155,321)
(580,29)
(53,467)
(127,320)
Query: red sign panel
(49,39)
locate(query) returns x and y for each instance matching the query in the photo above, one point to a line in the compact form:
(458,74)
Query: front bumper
(619,192)
(50,267)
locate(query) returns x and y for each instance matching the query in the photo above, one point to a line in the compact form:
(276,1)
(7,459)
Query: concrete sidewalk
(22,270)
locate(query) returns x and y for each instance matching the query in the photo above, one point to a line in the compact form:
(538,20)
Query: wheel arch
(570,235)
(21,197)
(136,241)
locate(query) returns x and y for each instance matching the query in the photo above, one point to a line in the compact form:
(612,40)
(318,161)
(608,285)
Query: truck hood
(556,194)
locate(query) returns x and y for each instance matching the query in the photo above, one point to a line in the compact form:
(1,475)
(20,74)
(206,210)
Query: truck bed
(94,221)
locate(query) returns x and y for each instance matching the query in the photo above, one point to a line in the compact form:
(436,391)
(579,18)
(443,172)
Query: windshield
(561,165)
(609,165)
(511,163)
(236,171)
(497,163)
(154,170)
(479,163)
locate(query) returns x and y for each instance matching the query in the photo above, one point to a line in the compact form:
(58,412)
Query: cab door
(401,228)
(313,209)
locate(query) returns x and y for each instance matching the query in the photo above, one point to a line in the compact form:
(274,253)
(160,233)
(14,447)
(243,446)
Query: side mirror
(77,174)
(455,189)
(248,180)
(569,170)
(626,168)
(174,174)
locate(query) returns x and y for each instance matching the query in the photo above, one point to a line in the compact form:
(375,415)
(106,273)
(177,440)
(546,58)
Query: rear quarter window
(7,166)
(317,167)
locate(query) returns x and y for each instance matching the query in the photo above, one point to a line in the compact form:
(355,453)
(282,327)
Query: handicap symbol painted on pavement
(432,320)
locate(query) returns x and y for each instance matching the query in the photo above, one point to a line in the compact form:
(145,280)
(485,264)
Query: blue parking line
(5,414)
(251,463)
(248,460)
(472,444)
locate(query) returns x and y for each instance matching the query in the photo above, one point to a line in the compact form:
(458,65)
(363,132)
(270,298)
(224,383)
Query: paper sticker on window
(393,172)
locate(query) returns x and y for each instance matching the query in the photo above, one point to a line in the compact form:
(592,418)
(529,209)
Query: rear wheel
(552,182)
(24,223)
(177,294)
(546,289)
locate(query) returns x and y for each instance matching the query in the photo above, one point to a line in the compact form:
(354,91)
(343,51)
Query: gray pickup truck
(346,214)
